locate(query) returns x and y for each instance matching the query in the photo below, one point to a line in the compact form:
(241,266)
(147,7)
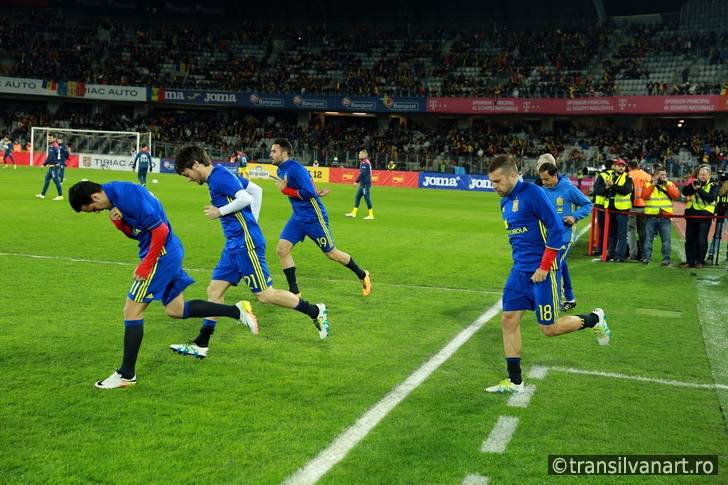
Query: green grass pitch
(260,408)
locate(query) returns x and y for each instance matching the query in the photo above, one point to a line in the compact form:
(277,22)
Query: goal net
(122,144)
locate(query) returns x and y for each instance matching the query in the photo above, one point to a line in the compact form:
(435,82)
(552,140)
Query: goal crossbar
(89,141)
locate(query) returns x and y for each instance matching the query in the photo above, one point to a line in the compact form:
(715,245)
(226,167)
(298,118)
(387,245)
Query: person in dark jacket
(365,185)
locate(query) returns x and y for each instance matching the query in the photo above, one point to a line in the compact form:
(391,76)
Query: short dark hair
(284,145)
(188,156)
(549,167)
(505,163)
(80,194)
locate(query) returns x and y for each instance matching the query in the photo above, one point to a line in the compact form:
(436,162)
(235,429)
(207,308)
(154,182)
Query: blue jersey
(141,211)
(143,158)
(7,146)
(63,154)
(532,225)
(365,173)
(568,201)
(54,156)
(242,232)
(307,207)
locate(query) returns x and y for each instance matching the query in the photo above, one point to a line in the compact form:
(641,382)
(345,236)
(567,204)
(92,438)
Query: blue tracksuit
(365,183)
(143,163)
(568,201)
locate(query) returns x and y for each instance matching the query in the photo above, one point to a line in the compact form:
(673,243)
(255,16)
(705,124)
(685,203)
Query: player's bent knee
(172,312)
(548,330)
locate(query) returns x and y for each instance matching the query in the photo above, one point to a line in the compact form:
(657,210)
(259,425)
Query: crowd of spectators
(566,61)
(680,149)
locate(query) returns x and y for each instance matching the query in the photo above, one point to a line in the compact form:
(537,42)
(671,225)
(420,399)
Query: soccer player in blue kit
(535,234)
(571,205)
(140,216)
(309,217)
(244,255)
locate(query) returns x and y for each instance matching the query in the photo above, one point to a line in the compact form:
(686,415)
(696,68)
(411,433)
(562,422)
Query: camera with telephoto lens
(721,176)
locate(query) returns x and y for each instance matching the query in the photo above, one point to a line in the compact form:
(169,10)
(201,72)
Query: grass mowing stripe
(339,448)
(667,382)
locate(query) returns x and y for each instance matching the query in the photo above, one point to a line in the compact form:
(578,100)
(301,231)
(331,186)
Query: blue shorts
(165,282)
(296,231)
(520,293)
(249,266)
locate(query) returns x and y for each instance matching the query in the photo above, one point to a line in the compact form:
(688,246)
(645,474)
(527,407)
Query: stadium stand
(573,57)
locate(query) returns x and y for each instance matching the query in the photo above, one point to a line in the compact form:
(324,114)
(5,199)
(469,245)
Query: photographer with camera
(617,191)
(658,195)
(598,191)
(720,210)
(702,194)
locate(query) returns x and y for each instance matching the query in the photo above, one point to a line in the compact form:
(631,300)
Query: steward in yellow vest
(620,189)
(703,195)
(658,195)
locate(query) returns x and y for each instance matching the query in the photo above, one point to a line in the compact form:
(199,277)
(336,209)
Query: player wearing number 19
(244,255)
(309,217)
(140,216)
(535,232)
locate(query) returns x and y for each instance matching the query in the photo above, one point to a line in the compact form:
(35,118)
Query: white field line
(711,314)
(537,372)
(475,479)
(209,270)
(501,435)
(347,440)
(667,382)
(521,399)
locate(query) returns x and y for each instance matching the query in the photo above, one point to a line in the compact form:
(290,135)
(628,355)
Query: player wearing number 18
(535,232)
(309,217)
(236,202)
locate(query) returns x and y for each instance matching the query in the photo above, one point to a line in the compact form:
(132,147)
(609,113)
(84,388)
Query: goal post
(88,142)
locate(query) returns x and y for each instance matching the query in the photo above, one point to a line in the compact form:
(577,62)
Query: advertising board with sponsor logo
(113,162)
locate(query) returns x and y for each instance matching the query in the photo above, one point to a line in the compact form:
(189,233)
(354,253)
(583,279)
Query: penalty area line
(667,382)
(347,440)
